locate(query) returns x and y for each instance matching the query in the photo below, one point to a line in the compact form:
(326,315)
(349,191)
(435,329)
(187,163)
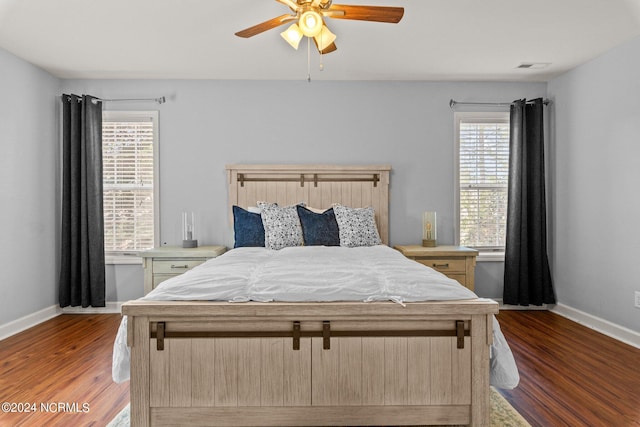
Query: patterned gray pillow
(356,226)
(281,226)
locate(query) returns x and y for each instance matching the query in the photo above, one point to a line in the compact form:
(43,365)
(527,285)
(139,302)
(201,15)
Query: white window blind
(483,168)
(128,150)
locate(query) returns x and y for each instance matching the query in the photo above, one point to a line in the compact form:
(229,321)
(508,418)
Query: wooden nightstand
(457,262)
(165,262)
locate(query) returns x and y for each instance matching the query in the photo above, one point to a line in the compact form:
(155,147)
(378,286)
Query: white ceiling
(194,39)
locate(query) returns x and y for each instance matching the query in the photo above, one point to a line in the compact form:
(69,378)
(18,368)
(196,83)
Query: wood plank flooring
(65,360)
(570,375)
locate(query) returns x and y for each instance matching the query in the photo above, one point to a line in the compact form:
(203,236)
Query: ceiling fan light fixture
(292,35)
(325,38)
(310,23)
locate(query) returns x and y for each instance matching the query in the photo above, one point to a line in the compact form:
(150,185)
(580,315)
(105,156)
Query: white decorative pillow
(281,226)
(356,226)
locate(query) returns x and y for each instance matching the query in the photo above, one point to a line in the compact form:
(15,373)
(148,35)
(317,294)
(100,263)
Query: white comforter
(316,273)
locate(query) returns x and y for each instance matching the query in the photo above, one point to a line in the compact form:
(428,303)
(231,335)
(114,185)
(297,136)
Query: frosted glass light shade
(310,23)
(292,35)
(325,38)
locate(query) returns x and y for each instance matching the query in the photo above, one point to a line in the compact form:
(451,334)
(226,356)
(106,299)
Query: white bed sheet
(316,273)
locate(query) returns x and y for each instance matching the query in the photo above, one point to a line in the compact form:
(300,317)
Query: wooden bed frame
(304,364)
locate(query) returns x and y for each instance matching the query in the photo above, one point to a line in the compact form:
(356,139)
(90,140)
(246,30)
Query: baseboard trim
(110,308)
(33,319)
(605,327)
(28,321)
(504,306)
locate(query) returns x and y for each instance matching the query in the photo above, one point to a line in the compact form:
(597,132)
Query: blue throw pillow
(319,229)
(248,228)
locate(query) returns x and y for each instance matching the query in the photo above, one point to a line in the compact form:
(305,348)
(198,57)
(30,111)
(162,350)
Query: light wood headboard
(319,186)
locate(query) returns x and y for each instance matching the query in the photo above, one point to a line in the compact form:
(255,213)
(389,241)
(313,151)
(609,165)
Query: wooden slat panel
(159,373)
(314,197)
(346,193)
(480,371)
(226,374)
(313,416)
(203,372)
(419,375)
(180,372)
(249,369)
(271,192)
(373,371)
(441,370)
(261,193)
(356,194)
(349,383)
(395,371)
(251,194)
(297,374)
(325,372)
(366,189)
(272,372)
(140,407)
(461,372)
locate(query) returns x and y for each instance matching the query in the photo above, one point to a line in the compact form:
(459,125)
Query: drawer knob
(441,265)
(179,266)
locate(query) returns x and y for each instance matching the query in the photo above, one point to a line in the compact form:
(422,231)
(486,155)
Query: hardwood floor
(65,360)
(570,375)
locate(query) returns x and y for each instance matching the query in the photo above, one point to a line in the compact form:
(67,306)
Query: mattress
(316,274)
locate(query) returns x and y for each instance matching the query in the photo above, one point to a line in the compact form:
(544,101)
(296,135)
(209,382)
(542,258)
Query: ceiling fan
(309,21)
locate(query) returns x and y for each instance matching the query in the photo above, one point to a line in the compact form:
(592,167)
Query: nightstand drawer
(174,266)
(456,262)
(159,278)
(444,265)
(166,262)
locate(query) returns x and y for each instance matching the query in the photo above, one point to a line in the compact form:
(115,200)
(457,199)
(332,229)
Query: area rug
(502,414)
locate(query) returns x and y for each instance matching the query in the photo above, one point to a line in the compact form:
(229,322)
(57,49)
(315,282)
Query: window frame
(485,254)
(132,257)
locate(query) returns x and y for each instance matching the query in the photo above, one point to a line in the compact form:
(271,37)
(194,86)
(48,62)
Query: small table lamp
(429,229)
(188,230)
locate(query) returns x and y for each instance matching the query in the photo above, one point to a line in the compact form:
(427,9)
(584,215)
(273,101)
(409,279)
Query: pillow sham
(281,226)
(357,226)
(248,228)
(319,229)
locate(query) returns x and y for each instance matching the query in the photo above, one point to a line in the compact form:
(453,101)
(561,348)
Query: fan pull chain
(308,60)
(321,63)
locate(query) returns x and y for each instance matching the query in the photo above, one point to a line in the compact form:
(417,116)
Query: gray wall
(207,124)
(595,174)
(28,188)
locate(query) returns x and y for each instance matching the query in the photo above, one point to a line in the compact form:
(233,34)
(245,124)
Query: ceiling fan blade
(388,14)
(264,26)
(331,48)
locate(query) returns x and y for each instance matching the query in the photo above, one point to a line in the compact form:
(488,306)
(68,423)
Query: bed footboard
(305,364)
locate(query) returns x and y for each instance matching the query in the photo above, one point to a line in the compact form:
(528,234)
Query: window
(129,159)
(482,141)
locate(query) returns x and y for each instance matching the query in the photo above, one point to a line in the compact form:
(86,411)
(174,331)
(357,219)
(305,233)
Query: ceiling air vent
(534,65)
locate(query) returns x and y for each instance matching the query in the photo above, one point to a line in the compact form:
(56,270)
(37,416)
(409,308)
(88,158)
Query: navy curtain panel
(527,278)
(82,270)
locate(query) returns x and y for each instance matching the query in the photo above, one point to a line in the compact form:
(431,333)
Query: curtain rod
(453,103)
(160,100)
